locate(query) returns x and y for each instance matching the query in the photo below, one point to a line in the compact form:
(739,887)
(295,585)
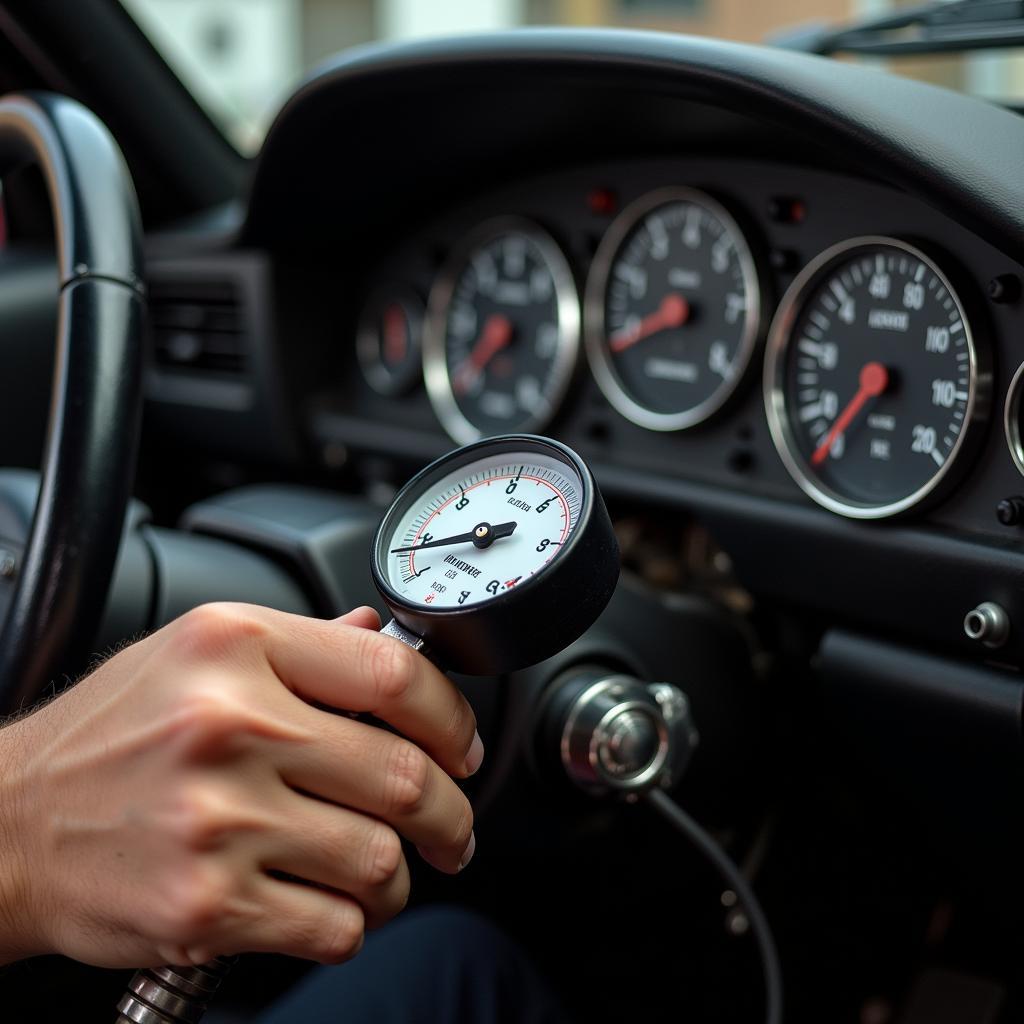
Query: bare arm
(166,808)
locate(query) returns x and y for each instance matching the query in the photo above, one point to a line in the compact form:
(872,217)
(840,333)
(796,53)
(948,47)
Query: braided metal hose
(172,995)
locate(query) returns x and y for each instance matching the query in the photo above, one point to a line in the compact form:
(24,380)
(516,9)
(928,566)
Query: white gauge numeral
(937,340)
(943,393)
(913,295)
(879,285)
(924,439)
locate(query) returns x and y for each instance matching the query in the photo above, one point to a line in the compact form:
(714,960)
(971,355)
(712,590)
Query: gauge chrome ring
(1011,419)
(594,320)
(779,337)
(435,364)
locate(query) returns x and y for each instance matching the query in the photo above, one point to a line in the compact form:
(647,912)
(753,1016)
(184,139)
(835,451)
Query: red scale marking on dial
(509,476)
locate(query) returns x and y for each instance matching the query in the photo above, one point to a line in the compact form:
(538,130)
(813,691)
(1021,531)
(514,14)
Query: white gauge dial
(482,530)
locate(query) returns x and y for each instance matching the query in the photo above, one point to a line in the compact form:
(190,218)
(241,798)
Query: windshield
(241,58)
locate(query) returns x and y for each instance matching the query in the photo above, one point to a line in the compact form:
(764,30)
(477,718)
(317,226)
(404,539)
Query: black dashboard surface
(382,162)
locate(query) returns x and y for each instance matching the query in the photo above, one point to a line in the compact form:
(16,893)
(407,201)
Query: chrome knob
(620,734)
(988,623)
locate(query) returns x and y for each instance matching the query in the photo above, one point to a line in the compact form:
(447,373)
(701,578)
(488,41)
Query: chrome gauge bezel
(435,364)
(779,338)
(367,342)
(1011,419)
(598,355)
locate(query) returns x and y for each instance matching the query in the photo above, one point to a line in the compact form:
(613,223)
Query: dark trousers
(430,966)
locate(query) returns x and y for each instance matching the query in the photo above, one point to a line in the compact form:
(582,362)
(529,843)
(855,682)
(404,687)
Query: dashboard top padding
(367,137)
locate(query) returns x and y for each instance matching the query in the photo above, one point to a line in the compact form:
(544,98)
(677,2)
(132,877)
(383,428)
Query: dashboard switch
(1010,511)
(1004,289)
(988,623)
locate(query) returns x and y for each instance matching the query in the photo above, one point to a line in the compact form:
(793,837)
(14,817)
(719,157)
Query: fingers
(360,670)
(362,767)
(299,920)
(356,855)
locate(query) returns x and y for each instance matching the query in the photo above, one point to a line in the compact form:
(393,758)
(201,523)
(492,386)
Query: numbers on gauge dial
(483,530)
(880,377)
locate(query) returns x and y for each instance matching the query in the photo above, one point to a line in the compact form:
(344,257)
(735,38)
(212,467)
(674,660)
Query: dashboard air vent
(198,325)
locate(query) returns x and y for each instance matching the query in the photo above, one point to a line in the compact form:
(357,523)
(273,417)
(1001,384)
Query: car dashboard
(351,252)
(775,303)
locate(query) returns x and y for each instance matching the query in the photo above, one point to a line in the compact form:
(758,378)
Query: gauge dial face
(672,309)
(482,529)
(871,378)
(388,340)
(502,332)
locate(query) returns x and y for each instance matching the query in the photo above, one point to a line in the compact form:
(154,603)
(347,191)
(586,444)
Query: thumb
(364,617)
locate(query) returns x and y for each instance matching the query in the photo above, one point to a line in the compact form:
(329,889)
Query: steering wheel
(54,583)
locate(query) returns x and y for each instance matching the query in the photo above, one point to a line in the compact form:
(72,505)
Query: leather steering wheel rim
(61,581)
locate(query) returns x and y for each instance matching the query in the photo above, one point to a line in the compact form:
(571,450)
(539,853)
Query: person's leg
(431,966)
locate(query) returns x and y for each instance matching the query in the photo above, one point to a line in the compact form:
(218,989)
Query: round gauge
(872,378)
(388,340)
(502,332)
(499,554)
(672,309)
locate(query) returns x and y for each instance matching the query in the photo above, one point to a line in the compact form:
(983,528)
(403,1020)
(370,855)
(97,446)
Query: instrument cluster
(876,380)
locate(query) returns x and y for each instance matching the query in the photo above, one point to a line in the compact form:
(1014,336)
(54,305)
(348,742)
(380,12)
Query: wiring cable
(726,867)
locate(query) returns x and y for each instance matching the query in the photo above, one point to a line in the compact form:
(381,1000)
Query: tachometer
(672,309)
(502,332)
(872,378)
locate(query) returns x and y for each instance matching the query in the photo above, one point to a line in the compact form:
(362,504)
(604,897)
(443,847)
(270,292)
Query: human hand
(165,809)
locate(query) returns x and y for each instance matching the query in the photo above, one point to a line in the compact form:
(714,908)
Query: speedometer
(872,378)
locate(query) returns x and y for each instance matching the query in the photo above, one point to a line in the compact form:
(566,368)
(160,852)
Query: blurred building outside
(241,58)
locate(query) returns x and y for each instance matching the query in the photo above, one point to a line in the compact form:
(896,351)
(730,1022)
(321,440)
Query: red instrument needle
(394,334)
(674,311)
(874,379)
(496,334)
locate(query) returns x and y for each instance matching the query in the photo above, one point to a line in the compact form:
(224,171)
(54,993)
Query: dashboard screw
(1004,289)
(1010,511)
(783,260)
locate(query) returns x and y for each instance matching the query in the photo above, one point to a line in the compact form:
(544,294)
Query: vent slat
(198,325)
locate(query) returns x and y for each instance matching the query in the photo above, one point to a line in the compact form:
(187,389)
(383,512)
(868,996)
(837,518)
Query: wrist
(16,924)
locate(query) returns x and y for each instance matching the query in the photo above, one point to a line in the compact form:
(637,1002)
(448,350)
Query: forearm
(16,935)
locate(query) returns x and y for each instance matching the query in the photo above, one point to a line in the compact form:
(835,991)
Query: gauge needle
(483,535)
(674,311)
(874,379)
(496,334)
(394,334)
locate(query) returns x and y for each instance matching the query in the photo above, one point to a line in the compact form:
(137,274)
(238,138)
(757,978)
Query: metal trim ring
(1011,418)
(600,360)
(435,365)
(779,337)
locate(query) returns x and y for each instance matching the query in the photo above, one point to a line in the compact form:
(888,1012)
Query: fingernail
(475,757)
(470,850)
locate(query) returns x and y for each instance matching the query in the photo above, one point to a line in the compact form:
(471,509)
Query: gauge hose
(733,876)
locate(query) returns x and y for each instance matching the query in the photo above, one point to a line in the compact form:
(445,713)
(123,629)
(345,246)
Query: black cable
(732,875)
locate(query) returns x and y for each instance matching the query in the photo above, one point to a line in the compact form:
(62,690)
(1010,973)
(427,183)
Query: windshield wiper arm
(929,28)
